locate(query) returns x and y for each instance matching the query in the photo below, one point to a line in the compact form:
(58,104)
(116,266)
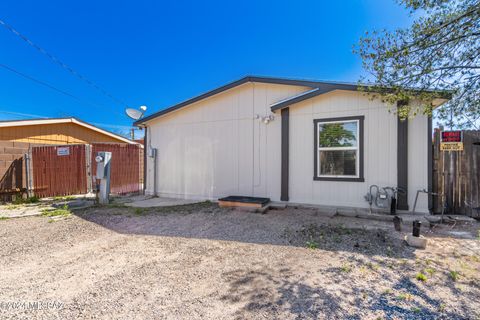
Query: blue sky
(158,53)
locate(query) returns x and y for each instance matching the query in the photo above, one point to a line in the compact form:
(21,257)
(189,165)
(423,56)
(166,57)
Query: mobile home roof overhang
(318,88)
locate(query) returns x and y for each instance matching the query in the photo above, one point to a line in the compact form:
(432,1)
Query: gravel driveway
(200,261)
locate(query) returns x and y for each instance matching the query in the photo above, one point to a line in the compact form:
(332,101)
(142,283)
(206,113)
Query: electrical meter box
(103,164)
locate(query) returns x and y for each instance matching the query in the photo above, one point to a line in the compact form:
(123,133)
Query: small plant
(138,211)
(373,266)
(312,244)
(387,291)
(421,277)
(12,207)
(404,296)
(416,310)
(4,218)
(454,275)
(430,271)
(346,268)
(389,251)
(441,307)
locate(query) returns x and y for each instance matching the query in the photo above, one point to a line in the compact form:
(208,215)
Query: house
(289,140)
(56,131)
(17,136)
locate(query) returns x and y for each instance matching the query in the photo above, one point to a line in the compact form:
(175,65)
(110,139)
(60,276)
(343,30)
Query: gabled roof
(318,88)
(285,81)
(33,122)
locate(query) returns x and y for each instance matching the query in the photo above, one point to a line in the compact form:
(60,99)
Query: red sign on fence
(451,136)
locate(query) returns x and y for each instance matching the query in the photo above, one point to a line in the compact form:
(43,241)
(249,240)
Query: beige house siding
(216,147)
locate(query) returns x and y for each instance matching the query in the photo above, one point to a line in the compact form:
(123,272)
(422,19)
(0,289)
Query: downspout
(402,161)
(152,153)
(430,164)
(285,150)
(145,137)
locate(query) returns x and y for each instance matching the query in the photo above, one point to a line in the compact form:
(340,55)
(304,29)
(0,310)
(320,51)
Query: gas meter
(103,163)
(103,174)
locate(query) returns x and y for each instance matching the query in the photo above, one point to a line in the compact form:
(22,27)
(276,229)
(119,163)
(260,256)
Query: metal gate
(126,166)
(71,169)
(59,170)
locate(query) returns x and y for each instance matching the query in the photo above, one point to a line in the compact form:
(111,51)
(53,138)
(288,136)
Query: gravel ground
(200,261)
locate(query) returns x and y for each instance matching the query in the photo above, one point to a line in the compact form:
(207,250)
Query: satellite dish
(134,113)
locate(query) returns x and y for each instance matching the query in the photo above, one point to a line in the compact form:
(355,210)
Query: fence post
(28,172)
(88,167)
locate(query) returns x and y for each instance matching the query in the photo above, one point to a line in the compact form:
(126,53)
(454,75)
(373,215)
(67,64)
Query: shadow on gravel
(277,295)
(296,227)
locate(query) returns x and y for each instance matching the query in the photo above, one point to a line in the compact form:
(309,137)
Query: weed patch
(404,297)
(312,244)
(421,277)
(139,211)
(430,271)
(454,275)
(346,268)
(27,200)
(61,212)
(63,198)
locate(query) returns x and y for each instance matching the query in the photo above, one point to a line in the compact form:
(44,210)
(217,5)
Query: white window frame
(357,149)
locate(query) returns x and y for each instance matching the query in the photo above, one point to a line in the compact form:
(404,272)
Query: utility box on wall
(103,173)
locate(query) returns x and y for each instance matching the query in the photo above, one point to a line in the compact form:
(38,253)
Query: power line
(23,114)
(43,83)
(61,64)
(106,125)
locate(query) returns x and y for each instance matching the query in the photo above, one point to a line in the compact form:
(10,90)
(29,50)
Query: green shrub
(421,277)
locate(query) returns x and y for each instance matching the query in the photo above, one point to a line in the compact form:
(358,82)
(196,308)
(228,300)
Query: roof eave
(324,87)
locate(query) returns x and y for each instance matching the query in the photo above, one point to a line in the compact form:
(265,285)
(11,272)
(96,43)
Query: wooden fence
(59,170)
(456,175)
(12,169)
(71,169)
(126,175)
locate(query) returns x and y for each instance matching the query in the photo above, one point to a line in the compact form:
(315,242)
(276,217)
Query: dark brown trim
(300,98)
(361,148)
(430,163)
(324,85)
(285,153)
(402,163)
(145,150)
(303,83)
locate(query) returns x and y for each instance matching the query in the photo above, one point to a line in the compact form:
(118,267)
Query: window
(339,149)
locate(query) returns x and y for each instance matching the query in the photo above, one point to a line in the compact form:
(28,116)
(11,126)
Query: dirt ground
(203,262)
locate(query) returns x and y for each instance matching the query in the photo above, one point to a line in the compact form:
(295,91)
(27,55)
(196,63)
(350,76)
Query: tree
(335,135)
(440,51)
